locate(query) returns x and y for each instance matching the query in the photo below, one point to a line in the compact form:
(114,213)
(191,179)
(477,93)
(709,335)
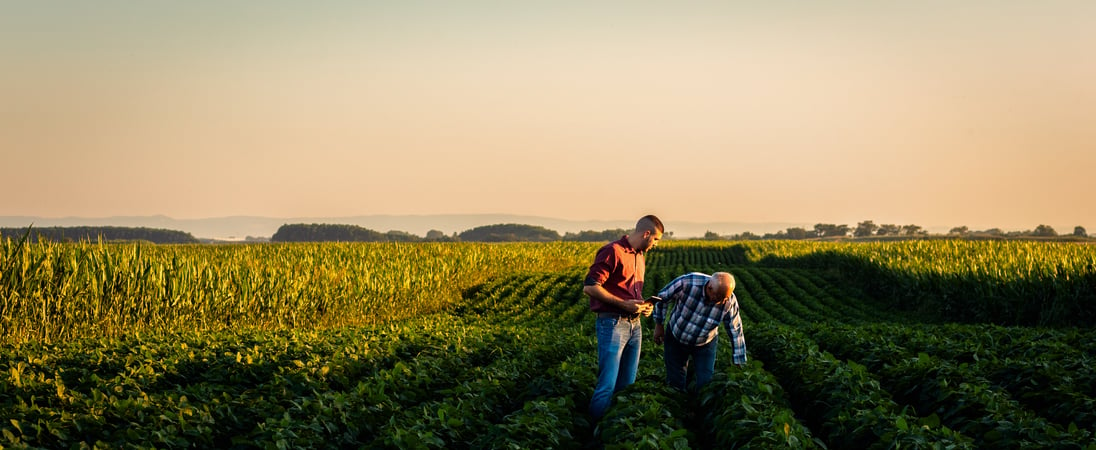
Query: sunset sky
(935,113)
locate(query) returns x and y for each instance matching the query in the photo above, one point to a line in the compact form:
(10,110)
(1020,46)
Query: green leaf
(932,421)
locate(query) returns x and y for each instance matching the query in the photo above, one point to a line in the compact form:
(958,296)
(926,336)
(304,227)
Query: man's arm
(659,334)
(671,291)
(659,313)
(733,322)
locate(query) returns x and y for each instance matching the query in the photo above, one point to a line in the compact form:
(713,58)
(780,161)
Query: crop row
(960,382)
(1002,282)
(233,389)
(505,374)
(930,370)
(841,402)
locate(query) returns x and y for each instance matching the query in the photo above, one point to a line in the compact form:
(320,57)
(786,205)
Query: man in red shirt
(614,284)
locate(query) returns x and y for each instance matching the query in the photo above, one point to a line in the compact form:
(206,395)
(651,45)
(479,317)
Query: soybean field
(915,344)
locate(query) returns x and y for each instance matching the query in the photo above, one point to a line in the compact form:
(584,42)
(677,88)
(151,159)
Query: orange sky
(931,114)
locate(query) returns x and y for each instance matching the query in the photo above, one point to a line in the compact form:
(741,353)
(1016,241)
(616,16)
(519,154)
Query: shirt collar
(627,245)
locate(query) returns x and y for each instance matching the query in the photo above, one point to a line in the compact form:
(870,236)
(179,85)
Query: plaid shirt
(695,321)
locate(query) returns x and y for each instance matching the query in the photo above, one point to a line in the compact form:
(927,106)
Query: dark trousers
(677,357)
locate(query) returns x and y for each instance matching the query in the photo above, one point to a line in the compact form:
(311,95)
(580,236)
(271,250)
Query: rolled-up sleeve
(604,262)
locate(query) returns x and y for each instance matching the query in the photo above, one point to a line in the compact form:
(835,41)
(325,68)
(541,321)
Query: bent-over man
(702,302)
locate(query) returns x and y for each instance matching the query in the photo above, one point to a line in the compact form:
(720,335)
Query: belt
(613,315)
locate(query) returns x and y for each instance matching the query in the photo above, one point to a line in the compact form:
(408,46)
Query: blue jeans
(618,343)
(677,356)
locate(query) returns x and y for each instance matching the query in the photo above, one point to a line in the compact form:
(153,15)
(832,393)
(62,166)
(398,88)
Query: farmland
(886,345)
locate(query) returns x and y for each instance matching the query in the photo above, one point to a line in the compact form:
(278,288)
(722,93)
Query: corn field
(52,291)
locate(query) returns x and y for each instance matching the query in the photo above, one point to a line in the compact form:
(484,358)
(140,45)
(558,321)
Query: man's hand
(658,334)
(650,302)
(641,307)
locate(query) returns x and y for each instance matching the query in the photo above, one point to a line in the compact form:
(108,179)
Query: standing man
(614,284)
(703,302)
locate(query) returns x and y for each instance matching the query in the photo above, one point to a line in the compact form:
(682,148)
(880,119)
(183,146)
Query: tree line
(512,232)
(509,232)
(868,229)
(106,233)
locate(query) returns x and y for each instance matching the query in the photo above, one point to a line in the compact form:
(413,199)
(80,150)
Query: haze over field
(940,114)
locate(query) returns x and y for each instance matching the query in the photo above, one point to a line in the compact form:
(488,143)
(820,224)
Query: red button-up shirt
(619,268)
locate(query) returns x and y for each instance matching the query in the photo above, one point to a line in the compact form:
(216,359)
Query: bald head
(720,286)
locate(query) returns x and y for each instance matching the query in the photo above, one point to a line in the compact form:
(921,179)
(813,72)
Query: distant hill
(238,228)
(324,232)
(509,232)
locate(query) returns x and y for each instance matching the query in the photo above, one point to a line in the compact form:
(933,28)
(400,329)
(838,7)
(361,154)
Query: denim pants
(677,356)
(618,343)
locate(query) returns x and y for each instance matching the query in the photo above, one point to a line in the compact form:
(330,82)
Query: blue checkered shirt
(694,321)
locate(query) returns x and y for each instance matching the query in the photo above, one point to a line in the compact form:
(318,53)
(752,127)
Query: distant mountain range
(238,228)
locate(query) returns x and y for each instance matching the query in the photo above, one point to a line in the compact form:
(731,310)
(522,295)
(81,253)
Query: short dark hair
(650,223)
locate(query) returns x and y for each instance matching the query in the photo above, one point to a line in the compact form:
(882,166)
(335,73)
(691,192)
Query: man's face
(650,240)
(715,295)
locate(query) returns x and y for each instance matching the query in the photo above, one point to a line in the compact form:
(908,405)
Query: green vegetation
(334,233)
(487,233)
(464,345)
(596,236)
(77,234)
(51,292)
(510,232)
(1000,282)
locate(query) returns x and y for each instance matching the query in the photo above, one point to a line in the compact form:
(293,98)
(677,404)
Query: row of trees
(501,233)
(106,233)
(868,228)
(314,232)
(1039,231)
(531,233)
(488,233)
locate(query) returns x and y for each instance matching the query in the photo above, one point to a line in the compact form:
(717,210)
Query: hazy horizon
(972,114)
(240,227)
(237,228)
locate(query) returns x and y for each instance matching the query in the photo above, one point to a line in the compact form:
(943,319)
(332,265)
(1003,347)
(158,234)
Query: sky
(934,113)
